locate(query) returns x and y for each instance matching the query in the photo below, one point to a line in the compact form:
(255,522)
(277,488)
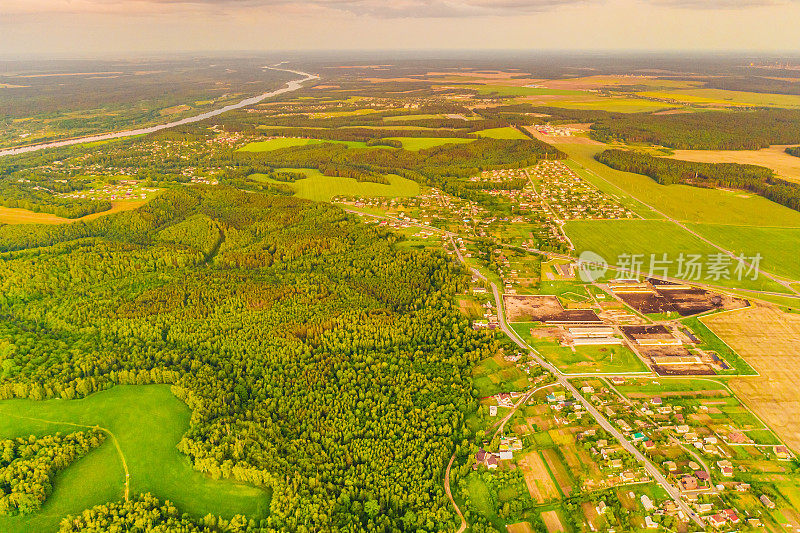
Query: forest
(28,464)
(756,179)
(710,130)
(794,150)
(318,359)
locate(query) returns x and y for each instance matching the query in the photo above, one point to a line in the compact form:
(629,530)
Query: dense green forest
(667,171)
(711,130)
(28,464)
(317,358)
(795,151)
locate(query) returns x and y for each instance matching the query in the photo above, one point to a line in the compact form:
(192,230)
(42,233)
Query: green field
(722,96)
(686,203)
(420,143)
(614,238)
(403,118)
(584,359)
(612,105)
(502,133)
(777,246)
(147,421)
(289,142)
(321,188)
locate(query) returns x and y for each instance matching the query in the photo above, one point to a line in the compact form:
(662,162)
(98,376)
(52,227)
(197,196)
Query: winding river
(289,87)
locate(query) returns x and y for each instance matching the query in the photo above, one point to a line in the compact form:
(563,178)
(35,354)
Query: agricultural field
(777,246)
(686,203)
(775,157)
(146,422)
(767,338)
(15,215)
(614,239)
(721,97)
(495,375)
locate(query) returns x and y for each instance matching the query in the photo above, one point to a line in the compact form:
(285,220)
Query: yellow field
(774,157)
(552,522)
(768,339)
(537,478)
(727,98)
(12,215)
(519,527)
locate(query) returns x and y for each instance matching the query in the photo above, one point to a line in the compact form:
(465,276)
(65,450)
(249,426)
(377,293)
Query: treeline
(28,464)
(666,171)
(712,130)
(317,358)
(794,150)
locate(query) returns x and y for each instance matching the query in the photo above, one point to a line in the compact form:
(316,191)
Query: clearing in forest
(147,421)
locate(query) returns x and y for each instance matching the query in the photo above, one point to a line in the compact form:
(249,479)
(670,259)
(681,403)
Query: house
(743,487)
(704,507)
(637,436)
(689,483)
(731,515)
(682,429)
(511,443)
(657,400)
(647,503)
(671,466)
(505,454)
(615,463)
(602,508)
(649,523)
(649,445)
(727,471)
(492,462)
(693,466)
(737,437)
(492,410)
(557,396)
(782,453)
(769,504)
(702,475)
(718,520)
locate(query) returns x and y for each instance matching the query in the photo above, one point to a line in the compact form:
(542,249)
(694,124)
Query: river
(289,87)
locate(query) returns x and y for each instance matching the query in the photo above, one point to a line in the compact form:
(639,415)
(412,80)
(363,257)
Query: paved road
(651,469)
(290,86)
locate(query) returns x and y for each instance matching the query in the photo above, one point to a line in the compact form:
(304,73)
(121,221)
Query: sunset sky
(93,27)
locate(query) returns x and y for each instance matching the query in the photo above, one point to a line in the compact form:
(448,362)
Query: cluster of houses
(571,198)
(124,190)
(505,452)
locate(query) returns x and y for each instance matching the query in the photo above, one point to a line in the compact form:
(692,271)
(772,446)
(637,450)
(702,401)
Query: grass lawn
(584,359)
(686,203)
(288,142)
(777,246)
(479,496)
(420,143)
(502,133)
(614,238)
(148,421)
(323,188)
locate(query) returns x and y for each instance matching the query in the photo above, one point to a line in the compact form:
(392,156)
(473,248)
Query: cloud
(372,8)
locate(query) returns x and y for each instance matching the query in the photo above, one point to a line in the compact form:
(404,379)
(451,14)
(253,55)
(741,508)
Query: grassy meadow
(148,421)
(318,187)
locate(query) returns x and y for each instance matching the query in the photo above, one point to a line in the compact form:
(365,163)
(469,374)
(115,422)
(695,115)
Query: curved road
(289,87)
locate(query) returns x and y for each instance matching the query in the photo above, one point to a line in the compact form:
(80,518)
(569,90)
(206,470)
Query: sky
(101,27)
